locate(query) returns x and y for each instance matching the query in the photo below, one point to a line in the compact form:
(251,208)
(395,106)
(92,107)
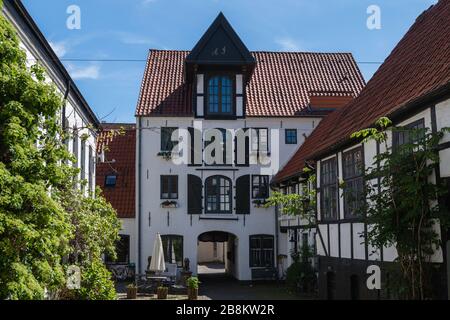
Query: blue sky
(127,29)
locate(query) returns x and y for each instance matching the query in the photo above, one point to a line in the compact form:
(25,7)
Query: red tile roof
(281,85)
(418,66)
(122,149)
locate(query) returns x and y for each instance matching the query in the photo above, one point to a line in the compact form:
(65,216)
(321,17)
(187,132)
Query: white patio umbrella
(157,264)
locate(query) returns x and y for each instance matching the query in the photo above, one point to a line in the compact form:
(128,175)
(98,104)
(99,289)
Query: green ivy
(402,207)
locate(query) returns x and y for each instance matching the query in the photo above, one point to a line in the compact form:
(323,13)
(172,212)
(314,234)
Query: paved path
(219,286)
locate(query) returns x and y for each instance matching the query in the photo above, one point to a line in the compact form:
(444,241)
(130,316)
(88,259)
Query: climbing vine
(402,207)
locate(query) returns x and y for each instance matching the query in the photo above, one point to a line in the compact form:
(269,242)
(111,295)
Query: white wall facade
(207,253)
(177,221)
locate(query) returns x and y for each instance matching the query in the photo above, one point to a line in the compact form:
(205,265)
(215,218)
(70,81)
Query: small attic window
(110,181)
(220,95)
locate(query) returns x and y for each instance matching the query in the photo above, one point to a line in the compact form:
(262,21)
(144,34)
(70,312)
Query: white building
(413,94)
(221,85)
(76,115)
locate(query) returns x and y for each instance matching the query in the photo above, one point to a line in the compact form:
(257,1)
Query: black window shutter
(243,195)
(247,152)
(195,202)
(195,137)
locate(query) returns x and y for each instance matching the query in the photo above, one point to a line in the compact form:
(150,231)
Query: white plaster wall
(177,221)
(128,228)
(206,252)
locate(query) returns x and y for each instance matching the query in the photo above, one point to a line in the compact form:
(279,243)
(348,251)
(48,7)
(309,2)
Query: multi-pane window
(91,169)
(260,187)
(110,180)
(220,95)
(83,162)
(407,134)
(260,139)
(329,189)
(167,144)
(122,251)
(218,194)
(75,146)
(353,171)
(261,251)
(173,249)
(169,187)
(290,136)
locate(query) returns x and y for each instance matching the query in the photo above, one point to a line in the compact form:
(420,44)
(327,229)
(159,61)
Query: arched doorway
(216,255)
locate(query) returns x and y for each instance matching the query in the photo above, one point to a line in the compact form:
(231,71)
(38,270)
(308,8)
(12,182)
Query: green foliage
(303,205)
(193,283)
(300,276)
(43,219)
(34,229)
(402,207)
(95,226)
(96,283)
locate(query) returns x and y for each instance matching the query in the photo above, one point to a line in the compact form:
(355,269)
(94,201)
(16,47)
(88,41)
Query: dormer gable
(219,66)
(220,45)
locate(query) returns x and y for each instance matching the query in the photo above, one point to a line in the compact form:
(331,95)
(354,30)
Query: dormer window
(220,96)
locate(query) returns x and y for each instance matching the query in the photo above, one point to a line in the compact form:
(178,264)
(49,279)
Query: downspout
(139,133)
(276,235)
(276,240)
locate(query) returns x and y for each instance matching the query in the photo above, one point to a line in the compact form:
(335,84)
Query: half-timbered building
(412,88)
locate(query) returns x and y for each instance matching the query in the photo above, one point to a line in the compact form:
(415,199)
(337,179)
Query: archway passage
(216,255)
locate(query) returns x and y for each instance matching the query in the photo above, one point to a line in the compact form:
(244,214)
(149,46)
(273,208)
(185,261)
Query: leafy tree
(402,207)
(95,229)
(34,228)
(43,219)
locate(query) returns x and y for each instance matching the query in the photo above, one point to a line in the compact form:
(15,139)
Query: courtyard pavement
(216,285)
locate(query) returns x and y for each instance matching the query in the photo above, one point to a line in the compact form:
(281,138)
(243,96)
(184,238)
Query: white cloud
(288,44)
(60,48)
(130,38)
(147,2)
(78,73)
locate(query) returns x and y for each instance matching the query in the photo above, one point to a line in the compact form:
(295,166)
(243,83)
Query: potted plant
(192,287)
(132,291)
(162,292)
(166,155)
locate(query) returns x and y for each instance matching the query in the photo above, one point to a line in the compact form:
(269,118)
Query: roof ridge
(264,51)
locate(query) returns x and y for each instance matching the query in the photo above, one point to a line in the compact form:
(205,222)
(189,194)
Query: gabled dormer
(219,66)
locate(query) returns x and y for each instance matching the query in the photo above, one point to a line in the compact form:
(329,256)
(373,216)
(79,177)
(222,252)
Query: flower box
(169,204)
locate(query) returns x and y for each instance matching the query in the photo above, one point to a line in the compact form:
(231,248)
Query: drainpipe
(276,240)
(139,133)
